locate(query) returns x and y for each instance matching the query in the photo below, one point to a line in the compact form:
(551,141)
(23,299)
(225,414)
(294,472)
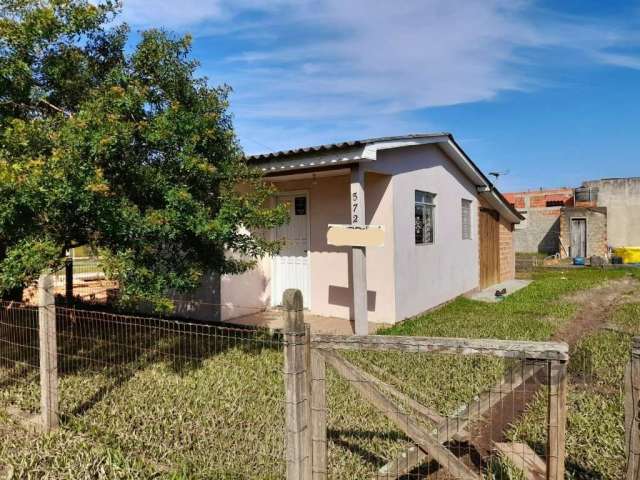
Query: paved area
(274,319)
(489,294)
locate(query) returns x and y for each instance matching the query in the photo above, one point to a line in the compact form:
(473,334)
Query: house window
(555,203)
(424,208)
(300,205)
(466,219)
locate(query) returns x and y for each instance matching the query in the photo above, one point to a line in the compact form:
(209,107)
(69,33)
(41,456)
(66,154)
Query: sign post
(358,254)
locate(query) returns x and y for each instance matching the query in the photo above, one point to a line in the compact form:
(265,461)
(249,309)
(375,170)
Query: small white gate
(290,269)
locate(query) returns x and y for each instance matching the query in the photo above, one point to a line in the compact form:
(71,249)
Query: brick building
(563,220)
(583,232)
(542,209)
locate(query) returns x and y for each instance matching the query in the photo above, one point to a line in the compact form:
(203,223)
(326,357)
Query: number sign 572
(355,204)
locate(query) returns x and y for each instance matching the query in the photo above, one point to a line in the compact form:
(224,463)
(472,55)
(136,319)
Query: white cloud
(619,59)
(170,14)
(179,14)
(344,61)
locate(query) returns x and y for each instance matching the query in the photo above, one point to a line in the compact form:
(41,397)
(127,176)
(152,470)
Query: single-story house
(447,230)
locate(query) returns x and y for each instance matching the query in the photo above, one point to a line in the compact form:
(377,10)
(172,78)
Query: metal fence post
(68,280)
(296,358)
(631,412)
(557,420)
(48,353)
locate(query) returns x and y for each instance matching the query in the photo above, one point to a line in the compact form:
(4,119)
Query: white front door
(291,266)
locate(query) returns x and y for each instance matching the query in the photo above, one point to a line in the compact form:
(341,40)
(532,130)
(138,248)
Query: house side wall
(429,275)
(246,293)
(380,260)
(507,252)
(621,198)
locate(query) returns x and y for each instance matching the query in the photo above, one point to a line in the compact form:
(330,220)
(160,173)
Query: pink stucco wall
(330,266)
(403,279)
(331,292)
(429,275)
(246,293)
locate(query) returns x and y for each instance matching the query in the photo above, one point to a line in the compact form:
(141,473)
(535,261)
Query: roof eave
(367,150)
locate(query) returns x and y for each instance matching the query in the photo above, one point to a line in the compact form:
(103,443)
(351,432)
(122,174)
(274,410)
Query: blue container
(578,261)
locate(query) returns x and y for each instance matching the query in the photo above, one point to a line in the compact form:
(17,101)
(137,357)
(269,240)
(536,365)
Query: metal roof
(268,157)
(261,157)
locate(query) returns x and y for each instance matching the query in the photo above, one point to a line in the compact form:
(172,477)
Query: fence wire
(174,398)
(425,415)
(207,401)
(19,356)
(175,393)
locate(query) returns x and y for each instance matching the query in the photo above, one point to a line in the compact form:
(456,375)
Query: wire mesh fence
(179,395)
(209,400)
(175,393)
(429,415)
(19,356)
(172,397)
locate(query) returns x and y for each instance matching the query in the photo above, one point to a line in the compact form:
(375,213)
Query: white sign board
(355,235)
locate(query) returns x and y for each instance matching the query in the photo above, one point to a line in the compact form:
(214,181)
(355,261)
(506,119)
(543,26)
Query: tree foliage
(123,149)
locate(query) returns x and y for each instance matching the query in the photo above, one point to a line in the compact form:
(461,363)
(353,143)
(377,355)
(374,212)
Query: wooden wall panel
(489,247)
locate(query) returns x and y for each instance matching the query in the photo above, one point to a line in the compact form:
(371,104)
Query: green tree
(125,150)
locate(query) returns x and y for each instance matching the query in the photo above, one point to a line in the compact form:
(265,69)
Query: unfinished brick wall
(507,251)
(540,232)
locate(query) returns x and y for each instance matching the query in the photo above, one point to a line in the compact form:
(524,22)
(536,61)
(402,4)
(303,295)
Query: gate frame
(306,356)
(632,411)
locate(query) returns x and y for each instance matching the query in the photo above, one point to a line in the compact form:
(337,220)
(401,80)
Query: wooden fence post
(48,353)
(632,412)
(318,415)
(68,280)
(296,359)
(557,419)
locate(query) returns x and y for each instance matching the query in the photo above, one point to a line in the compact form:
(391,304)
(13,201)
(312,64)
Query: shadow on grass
(459,449)
(117,346)
(573,469)
(102,392)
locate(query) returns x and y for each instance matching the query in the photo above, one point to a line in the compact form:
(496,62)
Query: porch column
(358,254)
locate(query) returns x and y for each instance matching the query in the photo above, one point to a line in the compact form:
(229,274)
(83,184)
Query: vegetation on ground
(532,313)
(221,415)
(595,426)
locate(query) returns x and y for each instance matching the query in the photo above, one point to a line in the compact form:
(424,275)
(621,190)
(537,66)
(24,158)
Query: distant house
(541,209)
(447,229)
(621,198)
(583,221)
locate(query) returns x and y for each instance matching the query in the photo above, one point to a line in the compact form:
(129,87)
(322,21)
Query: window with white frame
(466,219)
(425,217)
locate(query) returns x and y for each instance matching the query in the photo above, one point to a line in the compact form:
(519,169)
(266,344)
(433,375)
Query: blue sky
(548,91)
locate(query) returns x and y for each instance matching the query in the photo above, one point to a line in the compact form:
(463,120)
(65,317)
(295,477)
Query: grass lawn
(533,313)
(595,436)
(222,416)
